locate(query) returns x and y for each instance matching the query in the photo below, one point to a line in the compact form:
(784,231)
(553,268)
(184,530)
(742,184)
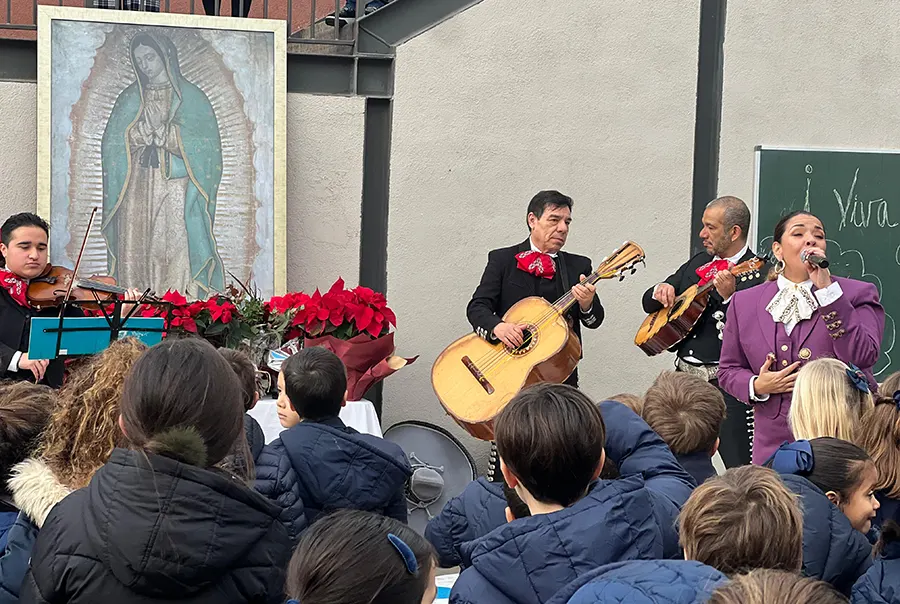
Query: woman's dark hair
(781,225)
(890,533)
(183,400)
(25,410)
(838,466)
(346,558)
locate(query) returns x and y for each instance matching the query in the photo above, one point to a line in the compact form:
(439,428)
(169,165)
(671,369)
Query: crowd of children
(144,480)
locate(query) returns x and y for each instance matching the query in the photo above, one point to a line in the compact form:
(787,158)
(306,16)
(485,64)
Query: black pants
(210,7)
(736,434)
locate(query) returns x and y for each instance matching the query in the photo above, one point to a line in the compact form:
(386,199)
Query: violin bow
(87,232)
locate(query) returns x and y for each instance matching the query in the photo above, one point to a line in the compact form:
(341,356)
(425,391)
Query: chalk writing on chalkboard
(859,212)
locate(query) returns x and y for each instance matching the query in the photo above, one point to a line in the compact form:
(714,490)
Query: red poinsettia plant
(355,324)
(216,319)
(339,312)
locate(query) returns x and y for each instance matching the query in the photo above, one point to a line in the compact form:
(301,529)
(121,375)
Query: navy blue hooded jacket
(881,583)
(698,465)
(319,467)
(832,549)
(528,560)
(643,582)
(630,444)
(478,510)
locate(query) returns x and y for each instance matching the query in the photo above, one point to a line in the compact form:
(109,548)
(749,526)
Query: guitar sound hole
(676,308)
(529,339)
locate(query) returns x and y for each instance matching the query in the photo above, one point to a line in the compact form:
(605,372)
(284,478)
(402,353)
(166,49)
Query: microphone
(820,261)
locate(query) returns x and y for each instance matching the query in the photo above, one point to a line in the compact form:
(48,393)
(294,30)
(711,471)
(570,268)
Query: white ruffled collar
(793,303)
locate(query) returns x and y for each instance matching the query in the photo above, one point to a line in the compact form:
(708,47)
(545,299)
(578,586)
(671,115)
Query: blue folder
(43,338)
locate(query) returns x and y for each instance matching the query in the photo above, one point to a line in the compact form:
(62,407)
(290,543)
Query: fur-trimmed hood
(36,489)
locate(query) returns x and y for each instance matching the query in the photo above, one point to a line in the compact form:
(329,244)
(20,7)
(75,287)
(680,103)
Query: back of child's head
(632,401)
(829,399)
(315,381)
(743,520)
(182,400)
(686,411)
(550,437)
(25,410)
(246,372)
(84,429)
(775,587)
(356,557)
(891,384)
(879,435)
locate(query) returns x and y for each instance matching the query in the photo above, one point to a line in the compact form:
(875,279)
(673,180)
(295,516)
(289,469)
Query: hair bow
(793,458)
(409,558)
(897,399)
(858,378)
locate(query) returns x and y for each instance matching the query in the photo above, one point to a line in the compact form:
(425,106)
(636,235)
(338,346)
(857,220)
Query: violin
(56,282)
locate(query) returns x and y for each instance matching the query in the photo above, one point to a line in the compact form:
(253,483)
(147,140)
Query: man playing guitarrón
(535,267)
(726,223)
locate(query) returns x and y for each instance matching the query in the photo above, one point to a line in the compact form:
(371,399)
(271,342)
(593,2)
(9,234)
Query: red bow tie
(708,271)
(536,263)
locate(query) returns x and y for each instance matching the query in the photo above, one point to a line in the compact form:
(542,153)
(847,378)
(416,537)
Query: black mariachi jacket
(503,284)
(704,343)
(15,323)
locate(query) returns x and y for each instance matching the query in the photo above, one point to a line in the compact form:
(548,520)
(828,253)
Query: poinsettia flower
(175,297)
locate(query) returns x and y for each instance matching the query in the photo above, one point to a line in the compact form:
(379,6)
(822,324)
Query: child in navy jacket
(550,439)
(629,443)
(320,465)
(881,583)
(687,413)
(879,435)
(834,480)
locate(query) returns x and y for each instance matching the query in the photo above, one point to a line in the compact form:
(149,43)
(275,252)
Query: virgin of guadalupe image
(161,156)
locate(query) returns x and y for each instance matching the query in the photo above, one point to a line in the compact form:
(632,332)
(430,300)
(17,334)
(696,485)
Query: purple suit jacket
(849,329)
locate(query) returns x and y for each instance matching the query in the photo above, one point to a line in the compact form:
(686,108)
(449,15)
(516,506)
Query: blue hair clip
(409,558)
(293,602)
(793,458)
(897,399)
(858,378)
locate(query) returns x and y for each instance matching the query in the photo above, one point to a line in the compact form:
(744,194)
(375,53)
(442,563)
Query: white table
(359,415)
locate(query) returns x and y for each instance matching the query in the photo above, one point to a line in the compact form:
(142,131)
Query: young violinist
(23,244)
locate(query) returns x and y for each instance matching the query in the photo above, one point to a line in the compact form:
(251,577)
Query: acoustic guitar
(474,379)
(669,326)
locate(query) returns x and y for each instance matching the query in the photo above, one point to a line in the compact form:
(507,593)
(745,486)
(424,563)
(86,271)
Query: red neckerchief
(708,271)
(15,286)
(537,264)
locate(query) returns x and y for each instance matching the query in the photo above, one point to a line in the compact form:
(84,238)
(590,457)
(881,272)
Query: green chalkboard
(856,194)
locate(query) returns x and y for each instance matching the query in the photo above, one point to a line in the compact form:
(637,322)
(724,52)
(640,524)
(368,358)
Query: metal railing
(307,23)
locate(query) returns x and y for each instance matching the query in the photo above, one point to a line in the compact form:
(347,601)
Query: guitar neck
(565,303)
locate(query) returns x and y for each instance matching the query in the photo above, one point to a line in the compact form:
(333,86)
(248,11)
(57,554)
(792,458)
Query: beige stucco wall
(596,99)
(324,179)
(806,78)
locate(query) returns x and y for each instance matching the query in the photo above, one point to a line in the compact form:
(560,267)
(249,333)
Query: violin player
(23,244)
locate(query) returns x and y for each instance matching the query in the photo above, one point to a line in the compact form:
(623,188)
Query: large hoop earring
(779,267)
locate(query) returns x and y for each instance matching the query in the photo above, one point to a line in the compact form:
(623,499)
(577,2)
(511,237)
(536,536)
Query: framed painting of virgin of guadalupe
(173,126)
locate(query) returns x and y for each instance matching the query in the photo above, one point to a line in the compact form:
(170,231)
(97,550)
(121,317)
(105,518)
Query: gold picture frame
(185,144)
